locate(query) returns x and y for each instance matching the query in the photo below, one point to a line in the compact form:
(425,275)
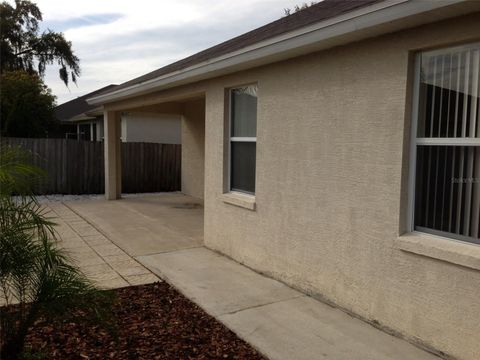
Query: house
(338,150)
(135,127)
(88,119)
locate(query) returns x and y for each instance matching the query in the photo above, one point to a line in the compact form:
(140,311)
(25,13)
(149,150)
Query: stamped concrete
(96,255)
(280,322)
(145,225)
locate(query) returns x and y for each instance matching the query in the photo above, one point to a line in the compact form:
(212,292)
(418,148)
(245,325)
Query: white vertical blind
(447,196)
(475,132)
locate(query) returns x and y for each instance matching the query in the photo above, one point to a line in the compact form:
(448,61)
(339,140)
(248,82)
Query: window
(243,138)
(446,144)
(84,132)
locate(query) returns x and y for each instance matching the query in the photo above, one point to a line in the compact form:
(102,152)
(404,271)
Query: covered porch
(190,107)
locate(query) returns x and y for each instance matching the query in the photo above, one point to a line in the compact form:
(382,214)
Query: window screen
(243,138)
(447,153)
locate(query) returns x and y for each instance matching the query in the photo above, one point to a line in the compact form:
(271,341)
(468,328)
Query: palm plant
(36,276)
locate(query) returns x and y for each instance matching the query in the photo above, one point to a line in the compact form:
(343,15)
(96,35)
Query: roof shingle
(66,111)
(324,10)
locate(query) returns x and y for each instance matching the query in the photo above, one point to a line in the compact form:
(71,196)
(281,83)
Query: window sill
(437,247)
(239,199)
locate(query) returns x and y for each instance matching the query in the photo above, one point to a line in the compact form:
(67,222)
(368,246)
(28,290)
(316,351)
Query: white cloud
(144,35)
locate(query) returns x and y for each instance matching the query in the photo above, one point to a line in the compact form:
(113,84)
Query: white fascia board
(373,15)
(80,117)
(95,112)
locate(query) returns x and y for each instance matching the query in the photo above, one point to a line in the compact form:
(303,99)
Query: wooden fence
(77,167)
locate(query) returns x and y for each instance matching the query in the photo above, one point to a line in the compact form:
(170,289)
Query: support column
(113,159)
(91,131)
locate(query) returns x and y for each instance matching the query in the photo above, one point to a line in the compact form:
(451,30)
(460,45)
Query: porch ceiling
(164,102)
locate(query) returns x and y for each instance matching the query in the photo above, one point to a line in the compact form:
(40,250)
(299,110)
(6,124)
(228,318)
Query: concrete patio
(126,242)
(142,225)
(101,260)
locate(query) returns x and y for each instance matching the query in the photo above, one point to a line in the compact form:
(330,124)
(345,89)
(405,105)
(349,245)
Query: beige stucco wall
(330,189)
(330,166)
(193,148)
(151,127)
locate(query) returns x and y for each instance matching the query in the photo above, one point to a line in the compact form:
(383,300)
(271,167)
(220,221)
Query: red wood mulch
(154,322)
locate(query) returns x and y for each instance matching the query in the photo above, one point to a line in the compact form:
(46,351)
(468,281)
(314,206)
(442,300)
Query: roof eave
(281,47)
(98,111)
(80,117)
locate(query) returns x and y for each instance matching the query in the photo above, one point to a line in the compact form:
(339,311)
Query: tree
(298,8)
(22,45)
(27,105)
(35,275)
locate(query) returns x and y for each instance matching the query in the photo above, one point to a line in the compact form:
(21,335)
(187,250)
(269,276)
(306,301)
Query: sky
(117,40)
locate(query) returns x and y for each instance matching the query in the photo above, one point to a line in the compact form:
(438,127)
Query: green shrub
(36,277)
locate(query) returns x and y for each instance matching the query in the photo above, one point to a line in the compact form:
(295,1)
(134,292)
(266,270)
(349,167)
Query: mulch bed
(154,322)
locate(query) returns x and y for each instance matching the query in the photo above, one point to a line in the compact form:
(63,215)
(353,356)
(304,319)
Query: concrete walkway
(282,323)
(164,234)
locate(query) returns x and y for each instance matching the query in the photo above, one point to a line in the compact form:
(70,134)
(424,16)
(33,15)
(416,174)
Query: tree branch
(23,52)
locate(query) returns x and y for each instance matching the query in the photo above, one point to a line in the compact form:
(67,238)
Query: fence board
(77,167)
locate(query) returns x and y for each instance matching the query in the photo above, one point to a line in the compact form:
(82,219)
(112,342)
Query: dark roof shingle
(66,111)
(324,10)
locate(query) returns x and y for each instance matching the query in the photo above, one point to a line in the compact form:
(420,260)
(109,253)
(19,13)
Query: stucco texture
(332,163)
(329,190)
(193,148)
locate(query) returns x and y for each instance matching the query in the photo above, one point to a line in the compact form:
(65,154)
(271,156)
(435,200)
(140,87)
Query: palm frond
(34,272)
(17,174)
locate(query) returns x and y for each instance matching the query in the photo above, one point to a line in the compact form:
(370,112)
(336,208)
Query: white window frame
(237,139)
(416,141)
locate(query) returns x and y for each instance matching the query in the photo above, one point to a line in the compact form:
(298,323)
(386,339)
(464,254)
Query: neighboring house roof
(77,108)
(290,36)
